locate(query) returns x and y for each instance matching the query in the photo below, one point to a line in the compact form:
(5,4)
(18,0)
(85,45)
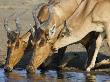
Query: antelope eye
(8,42)
(42,42)
(24,43)
(17,44)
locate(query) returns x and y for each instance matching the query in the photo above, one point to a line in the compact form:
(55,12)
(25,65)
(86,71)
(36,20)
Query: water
(53,76)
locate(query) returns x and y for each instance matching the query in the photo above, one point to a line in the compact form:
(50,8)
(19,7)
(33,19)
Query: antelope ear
(52,31)
(18,26)
(26,37)
(32,30)
(65,31)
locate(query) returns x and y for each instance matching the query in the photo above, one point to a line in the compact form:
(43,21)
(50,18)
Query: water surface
(53,76)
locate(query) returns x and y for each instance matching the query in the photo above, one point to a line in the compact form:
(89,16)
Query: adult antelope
(97,20)
(47,31)
(16,45)
(85,19)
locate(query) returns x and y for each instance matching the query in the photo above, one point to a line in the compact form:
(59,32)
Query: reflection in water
(90,77)
(35,77)
(60,75)
(52,76)
(13,77)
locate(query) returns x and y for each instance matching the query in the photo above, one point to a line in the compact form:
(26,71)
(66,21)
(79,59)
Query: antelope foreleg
(98,45)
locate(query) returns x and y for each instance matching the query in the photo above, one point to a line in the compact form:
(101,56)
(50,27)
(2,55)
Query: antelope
(48,30)
(97,20)
(47,18)
(16,45)
(85,19)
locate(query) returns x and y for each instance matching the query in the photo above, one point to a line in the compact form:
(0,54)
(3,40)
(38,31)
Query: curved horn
(37,23)
(32,30)
(46,23)
(6,25)
(35,14)
(18,26)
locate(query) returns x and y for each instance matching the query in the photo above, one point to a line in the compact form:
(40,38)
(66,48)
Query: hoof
(60,67)
(7,69)
(88,69)
(30,70)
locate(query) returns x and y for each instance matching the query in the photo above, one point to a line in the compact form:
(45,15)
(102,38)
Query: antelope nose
(7,69)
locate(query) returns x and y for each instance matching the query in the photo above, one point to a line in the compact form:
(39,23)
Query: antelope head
(15,45)
(42,38)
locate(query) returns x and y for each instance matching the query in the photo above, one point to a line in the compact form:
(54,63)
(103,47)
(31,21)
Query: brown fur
(16,50)
(58,11)
(79,26)
(58,16)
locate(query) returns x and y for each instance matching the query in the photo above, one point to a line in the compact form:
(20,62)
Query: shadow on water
(78,59)
(74,59)
(53,76)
